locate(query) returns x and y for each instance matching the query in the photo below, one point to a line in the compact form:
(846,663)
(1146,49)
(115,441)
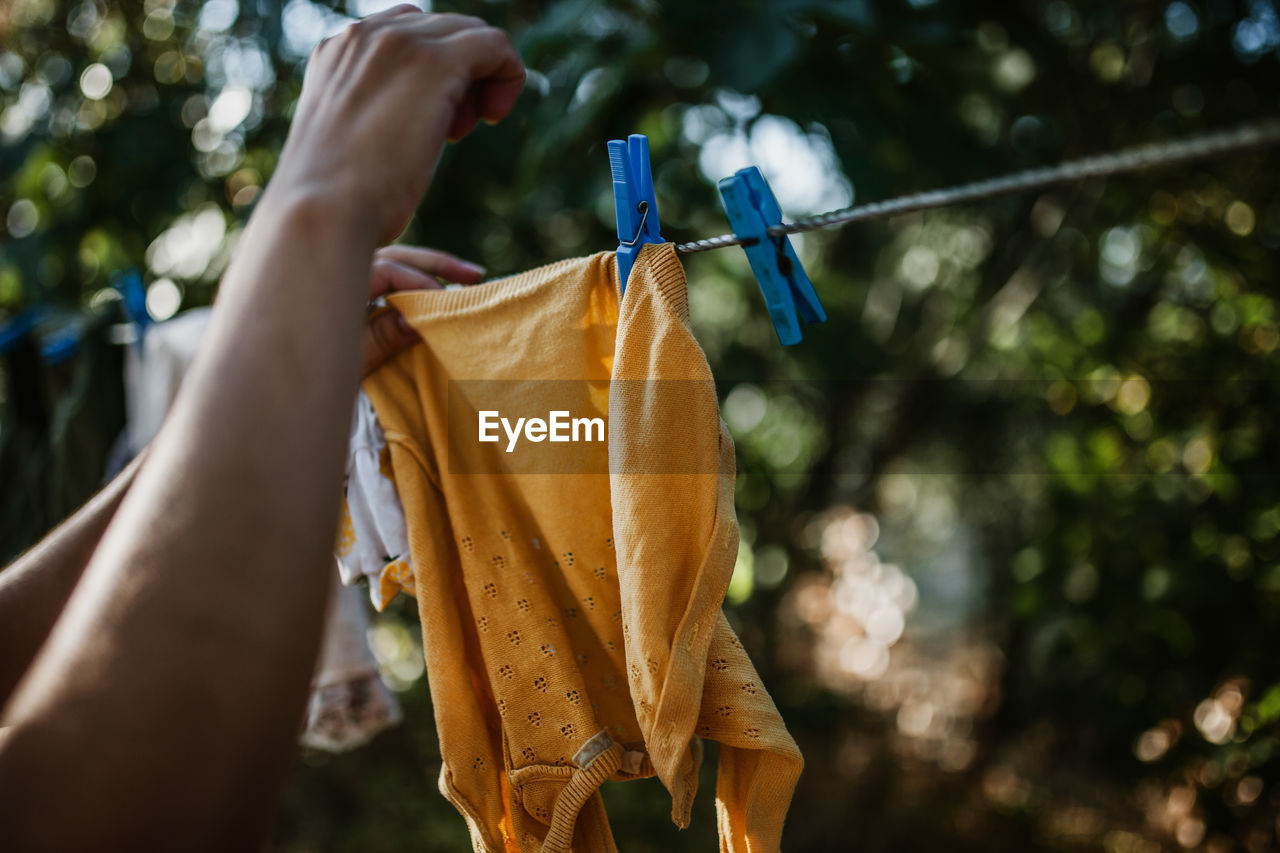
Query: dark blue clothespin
(57,333)
(134,301)
(633,201)
(752,211)
(12,332)
(62,342)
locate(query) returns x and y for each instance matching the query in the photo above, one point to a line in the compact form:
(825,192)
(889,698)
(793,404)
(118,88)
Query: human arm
(166,701)
(36,586)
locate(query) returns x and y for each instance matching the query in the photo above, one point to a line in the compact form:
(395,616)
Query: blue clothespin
(752,211)
(633,201)
(12,332)
(63,342)
(134,301)
(57,333)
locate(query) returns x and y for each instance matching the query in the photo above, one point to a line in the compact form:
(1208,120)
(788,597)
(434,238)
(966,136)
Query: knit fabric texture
(572,622)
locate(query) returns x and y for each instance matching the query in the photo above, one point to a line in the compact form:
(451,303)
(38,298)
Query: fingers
(386,334)
(397,268)
(465,118)
(496,70)
(394,12)
(441,23)
(434,25)
(498,97)
(389,276)
(446,23)
(379,100)
(433,262)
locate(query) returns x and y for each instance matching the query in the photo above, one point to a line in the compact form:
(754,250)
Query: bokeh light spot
(163,299)
(95,81)
(22,219)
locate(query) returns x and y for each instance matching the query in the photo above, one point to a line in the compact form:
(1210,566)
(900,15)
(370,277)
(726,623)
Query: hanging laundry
(571,621)
(154,369)
(60,383)
(372,546)
(349,703)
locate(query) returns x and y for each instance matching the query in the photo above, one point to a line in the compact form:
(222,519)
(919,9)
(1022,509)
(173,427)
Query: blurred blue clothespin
(12,332)
(752,211)
(633,201)
(134,301)
(63,342)
(57,333)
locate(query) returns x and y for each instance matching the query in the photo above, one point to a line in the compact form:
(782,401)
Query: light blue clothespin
(633,201)
(752,211)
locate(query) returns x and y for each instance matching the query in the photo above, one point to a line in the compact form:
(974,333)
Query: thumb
(385,335)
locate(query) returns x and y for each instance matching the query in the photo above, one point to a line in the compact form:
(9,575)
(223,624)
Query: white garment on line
(349,703)
(373,543)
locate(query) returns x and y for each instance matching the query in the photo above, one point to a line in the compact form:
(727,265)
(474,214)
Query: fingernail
(479,270)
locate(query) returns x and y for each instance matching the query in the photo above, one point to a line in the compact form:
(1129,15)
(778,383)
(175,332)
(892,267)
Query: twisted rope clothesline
(1241,138)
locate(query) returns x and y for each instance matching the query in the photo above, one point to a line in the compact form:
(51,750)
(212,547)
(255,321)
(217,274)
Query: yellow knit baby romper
(570,593)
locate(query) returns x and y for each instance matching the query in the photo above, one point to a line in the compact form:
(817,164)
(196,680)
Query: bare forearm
(35,587)
(165,702)
(182,660)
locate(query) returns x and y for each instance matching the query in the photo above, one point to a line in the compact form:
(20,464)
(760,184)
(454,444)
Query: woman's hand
(397,268)
(378,102)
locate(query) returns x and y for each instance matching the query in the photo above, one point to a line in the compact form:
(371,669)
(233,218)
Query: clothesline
(1241,138)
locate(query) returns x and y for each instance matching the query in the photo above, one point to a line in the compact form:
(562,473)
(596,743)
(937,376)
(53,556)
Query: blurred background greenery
(1011,518)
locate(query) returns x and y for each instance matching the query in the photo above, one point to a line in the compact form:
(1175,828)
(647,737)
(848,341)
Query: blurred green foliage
(1056,408)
